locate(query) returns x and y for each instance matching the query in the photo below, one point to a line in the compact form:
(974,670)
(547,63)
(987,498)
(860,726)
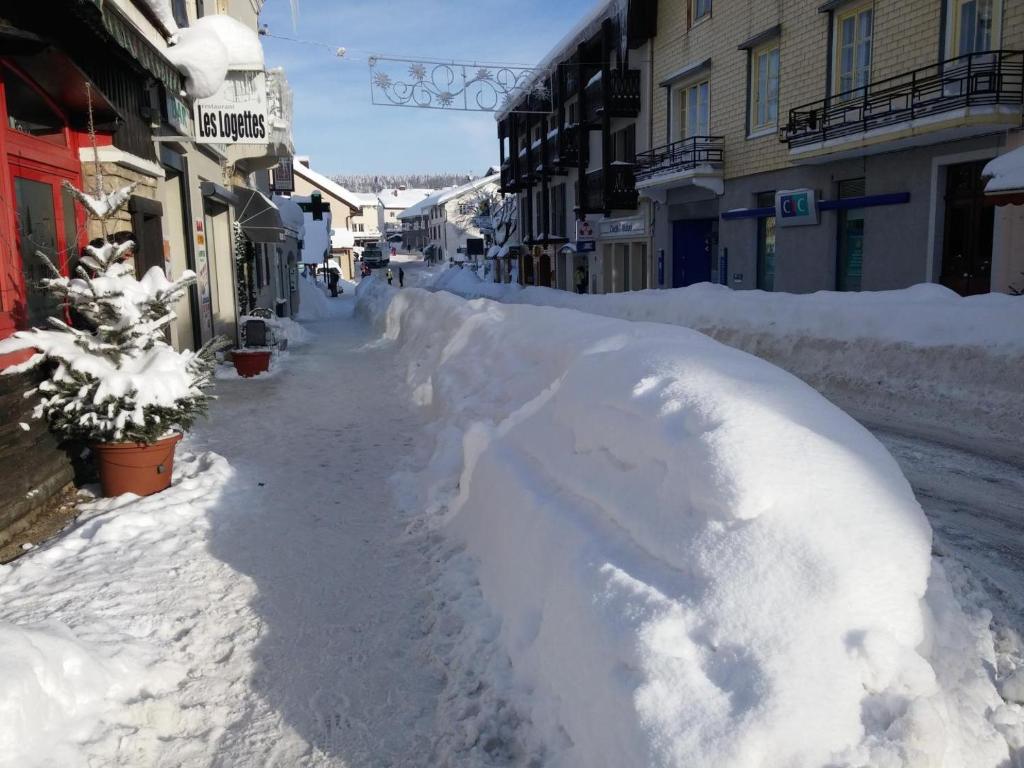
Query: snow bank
(111,651)
(313,302)
(688,557)
(907,359)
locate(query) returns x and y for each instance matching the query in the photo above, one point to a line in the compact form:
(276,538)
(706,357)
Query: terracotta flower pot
(136,467)
(250,363)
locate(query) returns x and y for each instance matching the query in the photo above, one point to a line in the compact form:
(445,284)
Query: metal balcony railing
(682,155)
(992,78)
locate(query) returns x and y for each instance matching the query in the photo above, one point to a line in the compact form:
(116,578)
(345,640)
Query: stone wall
(33,469)
(116,176)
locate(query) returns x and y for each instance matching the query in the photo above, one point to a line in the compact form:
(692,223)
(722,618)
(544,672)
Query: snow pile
(1006,172)
(103,205)
(163,12)
(313,302)
(687,555)
(208,48)
(120,639)
(907,359)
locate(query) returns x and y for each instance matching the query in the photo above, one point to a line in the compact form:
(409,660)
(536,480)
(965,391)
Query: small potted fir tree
(112,380)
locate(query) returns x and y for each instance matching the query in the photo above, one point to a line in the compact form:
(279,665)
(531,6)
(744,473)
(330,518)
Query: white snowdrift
(111,650)
(909,359)
(689,557)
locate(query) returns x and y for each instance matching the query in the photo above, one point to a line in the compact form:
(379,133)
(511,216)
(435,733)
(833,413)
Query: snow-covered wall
(678,554)
(923,360)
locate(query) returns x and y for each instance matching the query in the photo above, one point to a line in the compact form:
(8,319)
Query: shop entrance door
(691,251)
(967,242)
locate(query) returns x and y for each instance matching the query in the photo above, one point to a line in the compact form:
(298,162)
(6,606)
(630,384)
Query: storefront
(622,259)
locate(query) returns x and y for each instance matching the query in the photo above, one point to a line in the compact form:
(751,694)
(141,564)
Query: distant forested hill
(368,182)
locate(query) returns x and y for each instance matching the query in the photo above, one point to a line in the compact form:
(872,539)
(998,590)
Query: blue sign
(586,246)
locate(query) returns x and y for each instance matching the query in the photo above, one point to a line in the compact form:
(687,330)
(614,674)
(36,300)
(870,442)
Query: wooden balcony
(951,99)
(616,94)
(612,191)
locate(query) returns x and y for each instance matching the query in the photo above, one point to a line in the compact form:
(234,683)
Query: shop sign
(283,176)
(237,113)
(177,113)
(796,208)
(586,246)
(622,227)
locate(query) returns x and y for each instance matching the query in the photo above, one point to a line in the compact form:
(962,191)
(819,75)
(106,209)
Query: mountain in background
(368,182)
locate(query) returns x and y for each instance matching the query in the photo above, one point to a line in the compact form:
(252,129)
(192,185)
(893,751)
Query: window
(558,212)
(538,212)
(180,13)
(853,50)
(766,244)
(699,9)
(570,113)
(764,87)
(975,25)
(693,111)
(624,145)
(29,113)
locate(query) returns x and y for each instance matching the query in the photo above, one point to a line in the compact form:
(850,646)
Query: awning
(258,216)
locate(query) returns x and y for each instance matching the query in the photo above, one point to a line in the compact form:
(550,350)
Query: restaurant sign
(237,113)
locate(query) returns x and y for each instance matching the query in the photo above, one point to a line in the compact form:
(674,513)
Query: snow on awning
(1005,176)
(258,216)
(206,50)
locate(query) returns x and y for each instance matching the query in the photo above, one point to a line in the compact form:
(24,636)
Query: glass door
(44,229)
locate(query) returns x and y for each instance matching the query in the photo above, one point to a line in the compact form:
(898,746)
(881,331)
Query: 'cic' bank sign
(796,207)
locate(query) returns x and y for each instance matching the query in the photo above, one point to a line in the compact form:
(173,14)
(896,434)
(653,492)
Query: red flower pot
(136,467)
(250,363)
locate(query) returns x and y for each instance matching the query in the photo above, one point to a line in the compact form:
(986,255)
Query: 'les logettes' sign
(237,113)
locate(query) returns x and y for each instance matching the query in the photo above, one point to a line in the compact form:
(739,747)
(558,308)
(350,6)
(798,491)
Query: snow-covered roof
(584,28)
(424,205)
(1005,173)
(367,198)
(473,186)
(402,198)
(326,184)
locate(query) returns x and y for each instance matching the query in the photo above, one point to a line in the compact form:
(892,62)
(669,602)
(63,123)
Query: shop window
(766,244)
(854,30)
(764,87)
(180,11)
(850,253)
(692,110)
(29,113)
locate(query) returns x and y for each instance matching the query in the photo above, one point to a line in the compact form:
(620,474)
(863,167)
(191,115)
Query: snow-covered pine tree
(118,379)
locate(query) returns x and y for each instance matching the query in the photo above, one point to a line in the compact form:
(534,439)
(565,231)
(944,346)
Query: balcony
(612,191)
(681,158)
(569,146)
(618,97)
(509,182)
(957,98)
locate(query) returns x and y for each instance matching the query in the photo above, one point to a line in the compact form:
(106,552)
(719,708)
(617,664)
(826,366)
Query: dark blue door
(691,251)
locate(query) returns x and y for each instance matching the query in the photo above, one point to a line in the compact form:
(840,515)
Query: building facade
(789,147)
(66,64)
(569,155)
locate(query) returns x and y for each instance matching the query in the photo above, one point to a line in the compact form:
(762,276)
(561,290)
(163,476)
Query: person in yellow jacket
(389,275)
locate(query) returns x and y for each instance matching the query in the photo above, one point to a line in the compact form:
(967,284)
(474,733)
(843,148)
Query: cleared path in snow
(341,602)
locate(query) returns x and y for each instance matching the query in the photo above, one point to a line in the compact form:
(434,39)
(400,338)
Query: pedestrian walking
(401,278)
(389,275)
(581,280)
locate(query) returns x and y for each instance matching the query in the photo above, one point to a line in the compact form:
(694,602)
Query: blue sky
(334,121)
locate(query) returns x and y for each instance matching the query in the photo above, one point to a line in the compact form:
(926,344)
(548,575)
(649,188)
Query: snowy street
(287,602)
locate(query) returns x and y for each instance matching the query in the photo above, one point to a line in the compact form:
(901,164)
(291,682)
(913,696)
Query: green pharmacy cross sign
(458,86)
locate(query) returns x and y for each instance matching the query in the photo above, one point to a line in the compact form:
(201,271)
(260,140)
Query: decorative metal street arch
(458,86)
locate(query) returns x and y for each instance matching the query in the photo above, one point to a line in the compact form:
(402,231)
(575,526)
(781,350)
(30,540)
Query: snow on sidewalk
(678,554)
(265,613)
